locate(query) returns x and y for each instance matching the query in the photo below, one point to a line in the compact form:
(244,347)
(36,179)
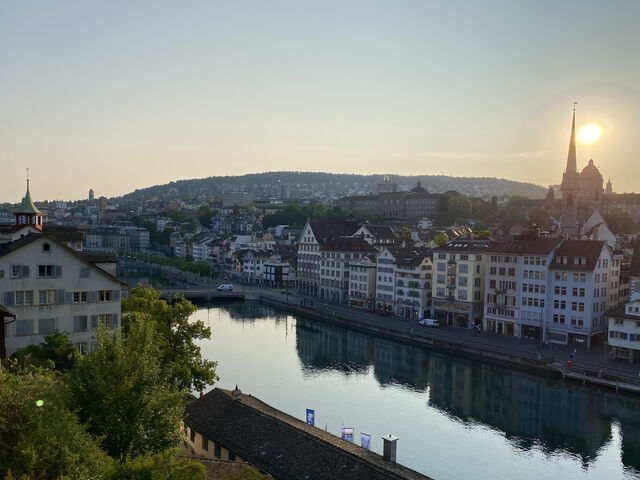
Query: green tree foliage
(292,214)
(483,234)
(205,214)
(178,353)
(441,239)
(57,351)
(540,217)
(122,393)
(161,466)
(620,222)
(177,216)
(40,437)
(453,209)
(200,268)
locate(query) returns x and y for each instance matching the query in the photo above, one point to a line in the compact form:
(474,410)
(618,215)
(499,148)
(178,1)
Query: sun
(590,133)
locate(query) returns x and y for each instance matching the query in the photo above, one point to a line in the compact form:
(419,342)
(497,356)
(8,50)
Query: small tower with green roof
(27,214)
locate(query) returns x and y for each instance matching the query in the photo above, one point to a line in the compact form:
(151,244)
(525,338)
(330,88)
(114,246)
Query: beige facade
(202,447)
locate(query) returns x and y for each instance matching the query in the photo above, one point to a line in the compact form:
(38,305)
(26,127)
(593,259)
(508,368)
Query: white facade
(413,288)
(362,282)
(385,280)
(50,287)
(308,275)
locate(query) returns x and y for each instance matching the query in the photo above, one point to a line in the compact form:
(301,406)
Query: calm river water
(456,417)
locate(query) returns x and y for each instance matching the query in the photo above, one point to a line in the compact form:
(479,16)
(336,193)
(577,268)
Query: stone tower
(570,187)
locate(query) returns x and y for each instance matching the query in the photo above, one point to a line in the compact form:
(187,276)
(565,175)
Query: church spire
(571,158)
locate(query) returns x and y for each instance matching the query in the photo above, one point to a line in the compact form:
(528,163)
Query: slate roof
(327,230)
(466,246)
(284,446)
(410,257)
(63,233)
(348,244)
(381,232)
(539,246)
(590,249)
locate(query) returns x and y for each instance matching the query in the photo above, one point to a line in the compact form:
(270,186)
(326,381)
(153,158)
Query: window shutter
(116,295)
(9,299)
(58,271)
(93,296)
(60,297)
(68,297)
(25,271)
(94,321)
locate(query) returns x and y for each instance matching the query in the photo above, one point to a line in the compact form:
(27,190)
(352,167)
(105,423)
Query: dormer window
(46,247)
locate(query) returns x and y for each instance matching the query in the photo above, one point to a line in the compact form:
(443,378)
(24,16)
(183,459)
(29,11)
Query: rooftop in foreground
(284,446)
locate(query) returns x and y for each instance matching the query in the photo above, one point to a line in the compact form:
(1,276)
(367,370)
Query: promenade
(588,365)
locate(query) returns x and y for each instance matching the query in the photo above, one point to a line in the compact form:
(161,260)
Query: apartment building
(624,320)
(50,286)
(385,280)
(459,282)
(581,277)
(362,282)
(413,270)
(516,287)
(336,255)
(314,235)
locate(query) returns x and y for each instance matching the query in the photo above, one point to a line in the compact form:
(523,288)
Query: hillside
(330,186)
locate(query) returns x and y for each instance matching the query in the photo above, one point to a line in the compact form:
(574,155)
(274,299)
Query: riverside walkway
(587,365)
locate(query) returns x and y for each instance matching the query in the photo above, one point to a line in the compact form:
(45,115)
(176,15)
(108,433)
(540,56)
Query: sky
(121,95)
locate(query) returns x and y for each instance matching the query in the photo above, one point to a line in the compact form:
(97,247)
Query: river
(456,417)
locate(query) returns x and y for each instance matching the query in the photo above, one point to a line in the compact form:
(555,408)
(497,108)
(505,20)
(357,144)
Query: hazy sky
(117,95)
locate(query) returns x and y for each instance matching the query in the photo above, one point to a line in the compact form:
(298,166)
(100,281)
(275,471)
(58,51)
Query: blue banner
(365,440)
(347,434)
(311,415)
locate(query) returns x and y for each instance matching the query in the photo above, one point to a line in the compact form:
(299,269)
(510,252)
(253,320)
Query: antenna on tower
(27,178)
(574,106)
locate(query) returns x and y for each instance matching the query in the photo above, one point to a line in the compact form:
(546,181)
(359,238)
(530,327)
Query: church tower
(28,217)
(570,187)
(609,189)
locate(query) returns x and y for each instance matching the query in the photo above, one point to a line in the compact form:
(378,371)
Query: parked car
(225,287)
(429,322)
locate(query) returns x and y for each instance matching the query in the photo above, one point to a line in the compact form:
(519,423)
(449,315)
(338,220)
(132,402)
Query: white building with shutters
(49,286)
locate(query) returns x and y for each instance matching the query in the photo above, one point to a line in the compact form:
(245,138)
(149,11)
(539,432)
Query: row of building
(552,289)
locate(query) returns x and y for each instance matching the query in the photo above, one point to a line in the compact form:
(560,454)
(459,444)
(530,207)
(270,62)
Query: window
(82,347)
(109,320)
(205,443)
(492,270)
(217,451)
(46,325)
(192,436)
(232,456)
(80,297)
(85,272)
(104,295)
(46,297)
(46,271)
(46,247)
(80,323)
(24,327)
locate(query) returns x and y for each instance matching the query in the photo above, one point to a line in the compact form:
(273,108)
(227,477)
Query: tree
(56,351)
(540,217)
(620,222)
(161,466)
(441,239)
(483,234)
(123,395)
(40,436)
(178,354)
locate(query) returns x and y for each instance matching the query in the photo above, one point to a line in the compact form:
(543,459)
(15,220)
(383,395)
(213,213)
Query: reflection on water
(533,411)
(529,409)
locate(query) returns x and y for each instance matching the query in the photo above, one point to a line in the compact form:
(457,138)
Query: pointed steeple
(571,158)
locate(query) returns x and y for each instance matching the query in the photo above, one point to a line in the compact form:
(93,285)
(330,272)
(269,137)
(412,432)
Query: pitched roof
(539,246)
(326,230)
(381,232)
(588,249)
(411,257)
(5,313)
(63,233)
(466,246)
(284,446)
(348,244)
(7,248)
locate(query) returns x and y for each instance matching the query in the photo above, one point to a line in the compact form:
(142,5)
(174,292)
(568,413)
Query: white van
(429,322)
(225,287)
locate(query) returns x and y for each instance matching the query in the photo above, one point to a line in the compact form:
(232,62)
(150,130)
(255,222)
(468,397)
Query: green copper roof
(27,206)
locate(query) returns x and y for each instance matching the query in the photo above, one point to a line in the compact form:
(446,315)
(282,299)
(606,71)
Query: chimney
(390,444)
(236,394)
